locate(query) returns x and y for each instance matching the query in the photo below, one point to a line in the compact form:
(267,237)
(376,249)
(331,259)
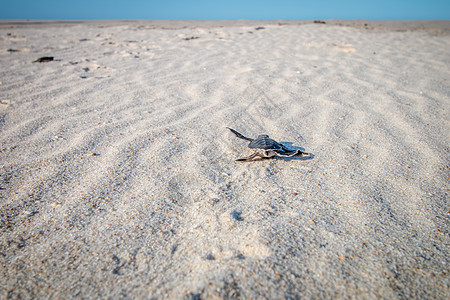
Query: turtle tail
(240,135)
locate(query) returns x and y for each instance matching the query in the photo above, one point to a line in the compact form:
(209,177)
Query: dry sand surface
(117,171)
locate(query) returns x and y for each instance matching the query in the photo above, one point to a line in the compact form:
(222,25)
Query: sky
(225,9)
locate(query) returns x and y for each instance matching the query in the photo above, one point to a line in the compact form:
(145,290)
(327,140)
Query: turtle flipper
(240,135)
(261,153)
(248,158)
(285,149)
(291,153)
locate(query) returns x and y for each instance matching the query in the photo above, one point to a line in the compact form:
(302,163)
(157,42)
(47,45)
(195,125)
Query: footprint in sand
(344,47)
(88,67)
(222,236)
(4,103)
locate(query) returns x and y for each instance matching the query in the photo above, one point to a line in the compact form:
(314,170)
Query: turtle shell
(264,142)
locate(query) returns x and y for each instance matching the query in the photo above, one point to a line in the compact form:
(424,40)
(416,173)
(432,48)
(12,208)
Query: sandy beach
(118,176)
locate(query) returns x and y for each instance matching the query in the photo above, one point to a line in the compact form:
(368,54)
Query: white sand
(118,176)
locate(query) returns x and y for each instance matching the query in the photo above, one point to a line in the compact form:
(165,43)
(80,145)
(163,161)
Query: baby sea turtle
(265,147)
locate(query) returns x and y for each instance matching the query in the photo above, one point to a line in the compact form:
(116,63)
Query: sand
(117,171)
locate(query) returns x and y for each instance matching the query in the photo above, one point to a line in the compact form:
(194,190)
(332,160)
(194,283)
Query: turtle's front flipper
(291,153)
(240,135)
(248,158)
(261,153)
(285,149)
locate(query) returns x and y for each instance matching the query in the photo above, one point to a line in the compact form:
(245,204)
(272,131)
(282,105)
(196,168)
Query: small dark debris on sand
(320,22)
(237,215)
(13,50)
(259,28)
(191,38)
(44,59)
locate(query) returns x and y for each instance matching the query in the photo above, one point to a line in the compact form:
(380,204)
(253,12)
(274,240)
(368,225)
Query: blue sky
(226,9)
